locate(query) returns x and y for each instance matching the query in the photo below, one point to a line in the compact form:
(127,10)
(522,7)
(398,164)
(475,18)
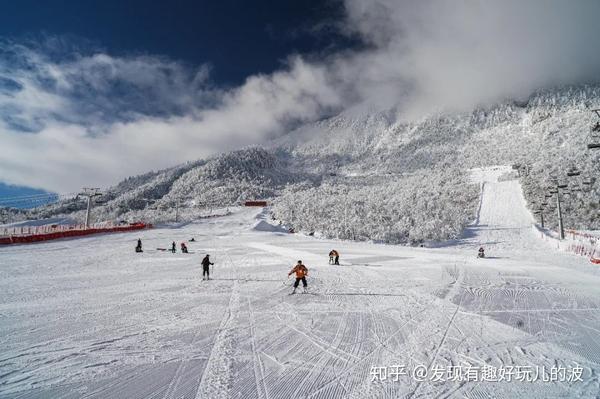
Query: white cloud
(72,147)
(428,55)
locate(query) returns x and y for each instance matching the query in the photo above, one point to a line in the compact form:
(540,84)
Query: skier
(138,247)
(301,273)
(173,247)
(205,267)
(334,257)
(481,253)
(192,240)
(184,248)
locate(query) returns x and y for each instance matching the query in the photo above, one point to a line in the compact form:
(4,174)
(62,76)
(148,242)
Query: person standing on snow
(334,257)
(301,273)
(206,267)
(173,247)
(138,248)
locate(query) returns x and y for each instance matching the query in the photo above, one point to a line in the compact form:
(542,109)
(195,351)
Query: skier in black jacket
(205,267)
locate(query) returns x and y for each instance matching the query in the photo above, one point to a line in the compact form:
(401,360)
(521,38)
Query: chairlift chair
(595,133)
(588,181)
(573,172)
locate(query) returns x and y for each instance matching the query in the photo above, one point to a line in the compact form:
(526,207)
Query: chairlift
(588,181)
(573,172)
(595,133)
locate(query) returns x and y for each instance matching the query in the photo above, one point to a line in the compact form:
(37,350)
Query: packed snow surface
(90,318)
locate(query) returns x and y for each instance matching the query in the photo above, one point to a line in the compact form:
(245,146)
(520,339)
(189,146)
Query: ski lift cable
(44,195)
(29,200)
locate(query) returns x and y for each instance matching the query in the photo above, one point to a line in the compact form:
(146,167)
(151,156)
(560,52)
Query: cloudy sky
(92,92)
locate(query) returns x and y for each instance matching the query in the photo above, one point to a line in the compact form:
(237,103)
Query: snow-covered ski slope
(89,318)
(503,222)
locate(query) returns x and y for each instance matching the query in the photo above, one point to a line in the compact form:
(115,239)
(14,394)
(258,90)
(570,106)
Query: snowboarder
(173,247)
(138,247)
(301,273)
(481,253)
(334,257)
(184,248)
(205,267)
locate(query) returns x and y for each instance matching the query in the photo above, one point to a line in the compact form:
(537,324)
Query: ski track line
(437,351)
(215,379)
(323,345)
(259,374)
(369,354)
(550,310)
(323,362)
(176,379)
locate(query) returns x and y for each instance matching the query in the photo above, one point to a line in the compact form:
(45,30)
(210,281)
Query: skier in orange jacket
(301,273)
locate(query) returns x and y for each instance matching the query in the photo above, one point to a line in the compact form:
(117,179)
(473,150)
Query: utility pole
(90,193)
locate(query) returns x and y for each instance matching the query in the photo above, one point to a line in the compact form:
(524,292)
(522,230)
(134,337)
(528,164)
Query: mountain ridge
(548,132)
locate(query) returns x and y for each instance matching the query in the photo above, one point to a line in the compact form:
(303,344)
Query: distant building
(256,203)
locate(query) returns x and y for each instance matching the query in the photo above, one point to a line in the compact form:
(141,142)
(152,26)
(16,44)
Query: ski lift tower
(555,189)
(90,193)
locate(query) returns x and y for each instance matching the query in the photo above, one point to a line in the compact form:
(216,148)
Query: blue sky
(237,38)
(94,91)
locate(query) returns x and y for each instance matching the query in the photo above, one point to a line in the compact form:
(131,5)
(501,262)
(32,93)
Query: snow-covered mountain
(376,176)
